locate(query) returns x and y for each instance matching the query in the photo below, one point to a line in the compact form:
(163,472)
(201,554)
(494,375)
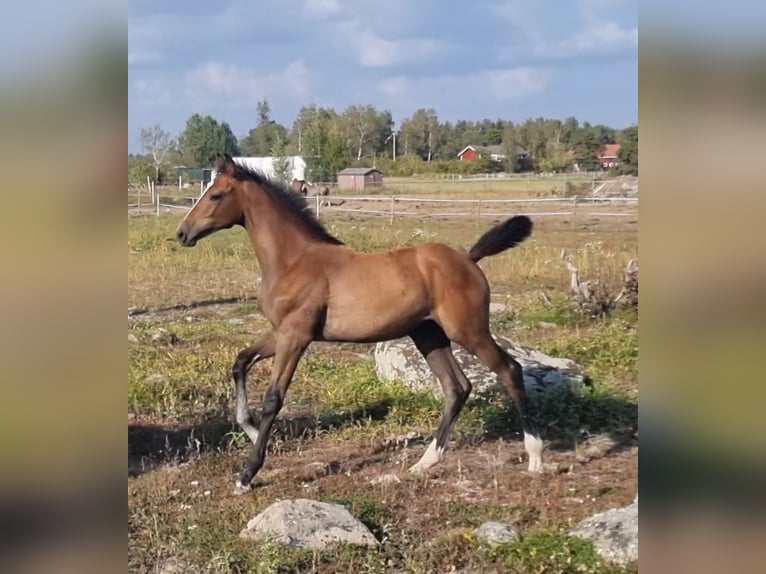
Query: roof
(610,150)
(358,171)
(493,149)
(266,165)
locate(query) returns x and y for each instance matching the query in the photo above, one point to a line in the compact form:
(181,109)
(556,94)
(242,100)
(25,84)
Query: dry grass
(340,426)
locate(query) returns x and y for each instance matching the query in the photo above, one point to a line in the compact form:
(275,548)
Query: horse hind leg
(510,373)
(434,345)
(263,348)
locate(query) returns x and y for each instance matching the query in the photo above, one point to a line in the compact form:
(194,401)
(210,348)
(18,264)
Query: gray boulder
(496,533)
(399,359)
(304,523)
(614,533)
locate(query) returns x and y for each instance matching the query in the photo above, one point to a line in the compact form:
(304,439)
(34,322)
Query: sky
(509,59)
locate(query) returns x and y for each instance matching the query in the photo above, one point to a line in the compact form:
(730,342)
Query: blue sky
(510,59)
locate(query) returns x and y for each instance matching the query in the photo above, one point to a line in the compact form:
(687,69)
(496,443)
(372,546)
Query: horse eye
(217,196)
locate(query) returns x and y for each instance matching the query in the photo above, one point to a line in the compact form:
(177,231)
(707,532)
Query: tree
(324,143)
(264,112)
(204,139)
(158,144)
(368,129)
(587,146)
(628,154)
(421,133)
(139,168)
(260,140)
(282,169)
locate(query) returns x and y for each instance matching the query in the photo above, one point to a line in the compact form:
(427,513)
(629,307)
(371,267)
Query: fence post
(157,195)
(478,213)
(392,210)
(319,203)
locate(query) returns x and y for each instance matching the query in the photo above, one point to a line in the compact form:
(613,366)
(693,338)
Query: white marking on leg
(239,489)
(243,413)
(534,446)
(432,456)
(243,419)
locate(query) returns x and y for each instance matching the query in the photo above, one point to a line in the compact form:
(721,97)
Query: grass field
(341,428)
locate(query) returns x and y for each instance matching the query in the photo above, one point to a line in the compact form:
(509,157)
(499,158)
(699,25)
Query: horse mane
(289,199)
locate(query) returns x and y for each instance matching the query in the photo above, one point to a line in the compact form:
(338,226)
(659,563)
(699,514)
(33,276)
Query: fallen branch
(593,298)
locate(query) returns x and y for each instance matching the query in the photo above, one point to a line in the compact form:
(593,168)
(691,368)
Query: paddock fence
(393,204)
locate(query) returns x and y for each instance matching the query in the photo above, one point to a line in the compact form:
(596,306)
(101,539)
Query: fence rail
(395,206)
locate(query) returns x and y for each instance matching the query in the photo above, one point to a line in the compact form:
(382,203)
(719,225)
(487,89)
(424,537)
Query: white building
(266,165)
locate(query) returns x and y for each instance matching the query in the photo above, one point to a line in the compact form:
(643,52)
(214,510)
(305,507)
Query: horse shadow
(150,446)
(565,416)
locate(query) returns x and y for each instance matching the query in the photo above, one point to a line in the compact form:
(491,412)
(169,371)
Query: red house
(608,156)
(468,153)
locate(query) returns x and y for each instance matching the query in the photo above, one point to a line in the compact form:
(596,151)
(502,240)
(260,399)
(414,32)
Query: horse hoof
(240,489)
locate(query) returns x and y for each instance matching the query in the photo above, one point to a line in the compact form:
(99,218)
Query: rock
(495,307)
(304,523)
(385,479)
(399,359)
(496,532)
(614,533)
(154,379)
(173,566)
(158,334)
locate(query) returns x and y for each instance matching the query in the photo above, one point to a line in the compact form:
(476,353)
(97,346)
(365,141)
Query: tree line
(362,135)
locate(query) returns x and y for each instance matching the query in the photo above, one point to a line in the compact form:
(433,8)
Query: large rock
(614,533)
(304,523)
(400,359)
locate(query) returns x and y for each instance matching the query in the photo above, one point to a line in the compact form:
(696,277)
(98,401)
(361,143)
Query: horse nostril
(181,235)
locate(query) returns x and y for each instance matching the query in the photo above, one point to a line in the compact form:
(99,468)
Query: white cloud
(516,82)
(499,84)
(322,8)
(597,33)
(143,40)
(143,56)
(524,16)
(151,92)
(372,50)
(395,87)
(216,79)
(600,36)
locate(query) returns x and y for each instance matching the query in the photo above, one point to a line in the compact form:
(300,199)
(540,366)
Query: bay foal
(315,288)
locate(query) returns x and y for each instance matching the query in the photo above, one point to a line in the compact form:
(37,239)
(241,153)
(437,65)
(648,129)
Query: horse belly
(381,315)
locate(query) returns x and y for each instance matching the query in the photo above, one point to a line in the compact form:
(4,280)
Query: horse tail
(501,237)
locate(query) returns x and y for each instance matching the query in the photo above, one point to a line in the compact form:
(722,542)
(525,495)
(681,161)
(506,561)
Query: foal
(315,288)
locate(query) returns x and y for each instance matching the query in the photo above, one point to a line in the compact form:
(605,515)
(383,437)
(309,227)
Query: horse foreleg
(263,348)
(289,350)
(434,345)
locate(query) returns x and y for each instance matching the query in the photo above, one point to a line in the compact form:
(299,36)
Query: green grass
(179,377)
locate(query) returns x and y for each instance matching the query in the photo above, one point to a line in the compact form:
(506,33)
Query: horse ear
(225,164)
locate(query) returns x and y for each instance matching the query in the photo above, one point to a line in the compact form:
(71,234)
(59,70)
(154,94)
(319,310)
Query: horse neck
(278,238)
